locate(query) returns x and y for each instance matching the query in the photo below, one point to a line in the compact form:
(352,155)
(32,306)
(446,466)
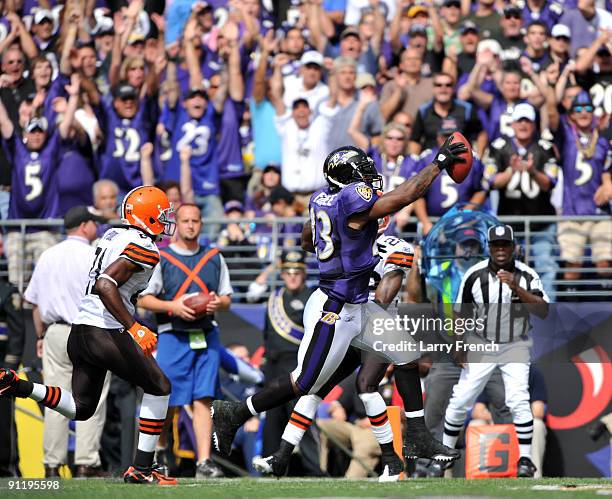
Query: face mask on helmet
(350,164)
(166,218)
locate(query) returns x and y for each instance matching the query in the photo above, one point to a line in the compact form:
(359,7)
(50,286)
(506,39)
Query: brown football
(459,171)
(197,302)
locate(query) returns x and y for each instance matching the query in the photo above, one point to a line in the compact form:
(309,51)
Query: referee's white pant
(474,377)
(57,371)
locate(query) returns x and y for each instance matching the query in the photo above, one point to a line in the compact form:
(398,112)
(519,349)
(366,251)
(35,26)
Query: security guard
(188,349)
(282,337)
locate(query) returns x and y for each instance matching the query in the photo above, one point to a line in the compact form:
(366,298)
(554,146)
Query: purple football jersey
(76,174)
(200,135)
(34,183)
(393,173)
(444,192)
(499,119)
(346,257)
(229,148)
(119,155)
(549,15)
(581,174)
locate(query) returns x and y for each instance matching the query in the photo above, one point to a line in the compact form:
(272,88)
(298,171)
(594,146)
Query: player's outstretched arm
(412,189)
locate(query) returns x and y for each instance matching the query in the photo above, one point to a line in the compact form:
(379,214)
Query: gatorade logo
(491,451)
(496,446)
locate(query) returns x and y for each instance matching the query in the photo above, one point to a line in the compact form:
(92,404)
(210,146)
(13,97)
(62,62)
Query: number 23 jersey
(132,245)
(345,256)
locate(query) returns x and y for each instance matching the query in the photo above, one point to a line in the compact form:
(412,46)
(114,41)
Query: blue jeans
(543,260)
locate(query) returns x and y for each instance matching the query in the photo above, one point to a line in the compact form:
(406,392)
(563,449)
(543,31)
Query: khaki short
(573,237)
(22,257)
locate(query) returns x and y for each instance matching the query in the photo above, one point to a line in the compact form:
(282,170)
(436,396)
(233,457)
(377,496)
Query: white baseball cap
(560,30)
(524,111)
(489,44)
(43,14)
(311,57)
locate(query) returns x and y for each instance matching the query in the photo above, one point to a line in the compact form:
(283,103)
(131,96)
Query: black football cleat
(392,467)
(8,382)
(525,468)
(226,423)
(278,463)
(420,443)
(147,477)
(208,469)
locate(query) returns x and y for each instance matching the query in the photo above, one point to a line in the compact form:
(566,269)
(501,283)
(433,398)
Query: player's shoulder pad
(545,144)
(140,249)
(424,154)
(357,197)
(498,143)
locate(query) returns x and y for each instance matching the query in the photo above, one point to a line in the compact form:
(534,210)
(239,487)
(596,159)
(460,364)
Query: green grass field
(287,488)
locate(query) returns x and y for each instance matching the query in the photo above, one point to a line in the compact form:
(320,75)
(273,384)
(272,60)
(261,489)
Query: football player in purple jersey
(342,231)
(587,185)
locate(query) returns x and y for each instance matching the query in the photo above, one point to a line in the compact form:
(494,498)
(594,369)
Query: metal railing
(268,237)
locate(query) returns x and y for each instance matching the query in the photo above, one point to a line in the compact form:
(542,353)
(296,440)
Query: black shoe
(226,422)
(420,443)
(8,383)
(208,469)
(392,467)
(271,465)
(276,464)
(83,471)
(525,468)
(51,472)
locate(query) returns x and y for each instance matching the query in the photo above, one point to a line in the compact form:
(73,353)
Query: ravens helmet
(349,164)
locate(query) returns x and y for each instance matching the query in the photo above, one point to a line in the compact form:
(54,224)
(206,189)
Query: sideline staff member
(188,349)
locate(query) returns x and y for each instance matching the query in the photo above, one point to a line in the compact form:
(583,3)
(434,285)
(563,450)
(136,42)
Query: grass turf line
(297,487)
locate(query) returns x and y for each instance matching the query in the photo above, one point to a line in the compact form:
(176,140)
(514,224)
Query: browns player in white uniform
(105,335)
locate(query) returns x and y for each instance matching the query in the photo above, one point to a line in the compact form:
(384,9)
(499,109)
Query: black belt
(62,323)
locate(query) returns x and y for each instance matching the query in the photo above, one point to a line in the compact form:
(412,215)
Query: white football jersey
(395,254)
(128,243)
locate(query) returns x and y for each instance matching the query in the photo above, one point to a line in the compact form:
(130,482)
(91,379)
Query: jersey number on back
(96,269)
(324,234)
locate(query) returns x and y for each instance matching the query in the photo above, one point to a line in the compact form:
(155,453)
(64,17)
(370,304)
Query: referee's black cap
(293,261)
(500,233)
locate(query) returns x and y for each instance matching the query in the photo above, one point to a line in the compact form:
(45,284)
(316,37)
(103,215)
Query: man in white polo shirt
(55,291)
(307,84)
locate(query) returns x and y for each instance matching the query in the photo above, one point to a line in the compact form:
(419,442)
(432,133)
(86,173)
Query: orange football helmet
(148,209)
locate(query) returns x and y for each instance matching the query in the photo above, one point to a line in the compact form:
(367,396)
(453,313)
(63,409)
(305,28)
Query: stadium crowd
(234,105)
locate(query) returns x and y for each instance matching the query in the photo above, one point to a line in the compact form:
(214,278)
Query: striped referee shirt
(481,286)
